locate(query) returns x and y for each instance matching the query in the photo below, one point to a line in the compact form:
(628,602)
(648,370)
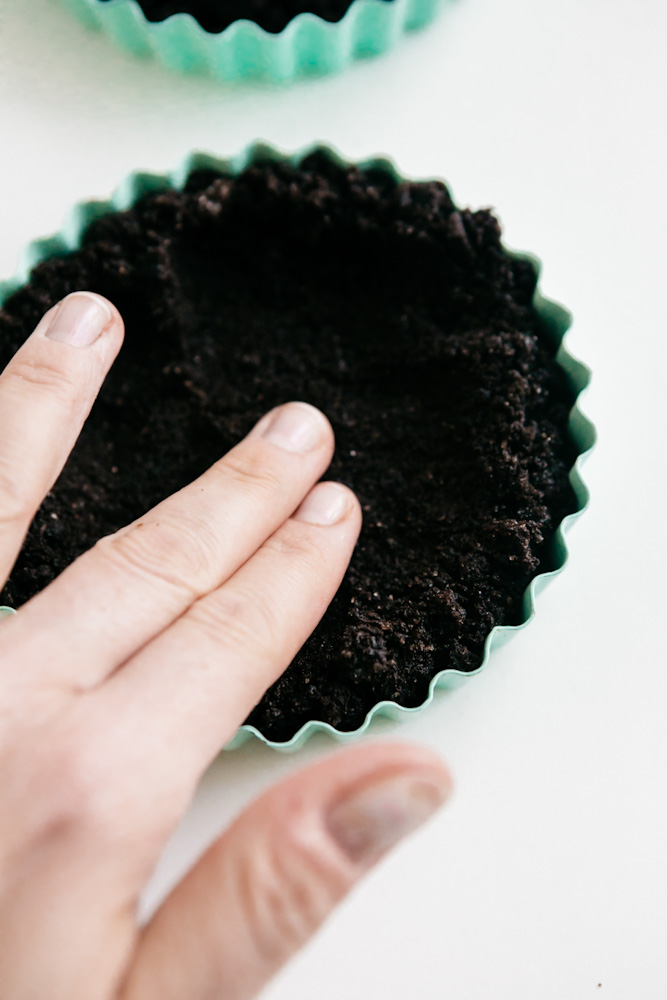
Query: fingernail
(325,504)
(78,320)
(368,822)
(296,427)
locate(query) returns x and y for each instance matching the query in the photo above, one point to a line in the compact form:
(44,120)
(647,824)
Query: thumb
(266,885)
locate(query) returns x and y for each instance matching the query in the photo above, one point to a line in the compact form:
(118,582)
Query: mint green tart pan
(308,44)
(555,322)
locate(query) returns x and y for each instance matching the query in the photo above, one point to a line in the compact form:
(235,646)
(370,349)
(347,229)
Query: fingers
(264,888)
(46,393)
(194,684)
(135,583)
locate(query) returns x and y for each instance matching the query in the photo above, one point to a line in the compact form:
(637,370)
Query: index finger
(46,392)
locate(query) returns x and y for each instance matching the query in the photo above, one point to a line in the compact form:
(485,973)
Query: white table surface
(545,879)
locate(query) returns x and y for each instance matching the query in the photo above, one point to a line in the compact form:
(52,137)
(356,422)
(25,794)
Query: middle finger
(133,584)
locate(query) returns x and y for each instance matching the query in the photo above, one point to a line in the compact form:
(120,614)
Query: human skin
(120,682)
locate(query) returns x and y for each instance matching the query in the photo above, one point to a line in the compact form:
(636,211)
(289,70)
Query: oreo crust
(399,315)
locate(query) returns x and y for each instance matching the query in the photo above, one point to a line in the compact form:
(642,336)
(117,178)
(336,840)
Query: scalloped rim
(308,44)
(556,319)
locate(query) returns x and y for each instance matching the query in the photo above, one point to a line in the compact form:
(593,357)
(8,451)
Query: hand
(120,682)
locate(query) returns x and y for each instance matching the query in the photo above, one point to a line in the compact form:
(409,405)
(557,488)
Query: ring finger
(195,683)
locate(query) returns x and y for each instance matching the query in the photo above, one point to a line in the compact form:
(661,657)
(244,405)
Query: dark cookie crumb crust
(400,316)
(272,15)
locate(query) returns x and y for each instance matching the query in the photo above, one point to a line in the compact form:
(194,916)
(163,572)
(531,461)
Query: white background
(545,879)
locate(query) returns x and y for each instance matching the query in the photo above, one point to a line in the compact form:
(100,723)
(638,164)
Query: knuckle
(298,547)
(83,802)
(289,890)
(236,619)
(250,472)
(44,377)
(179,556)
(75,796)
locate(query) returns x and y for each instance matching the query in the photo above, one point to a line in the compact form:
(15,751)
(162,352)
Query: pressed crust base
(407,323)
